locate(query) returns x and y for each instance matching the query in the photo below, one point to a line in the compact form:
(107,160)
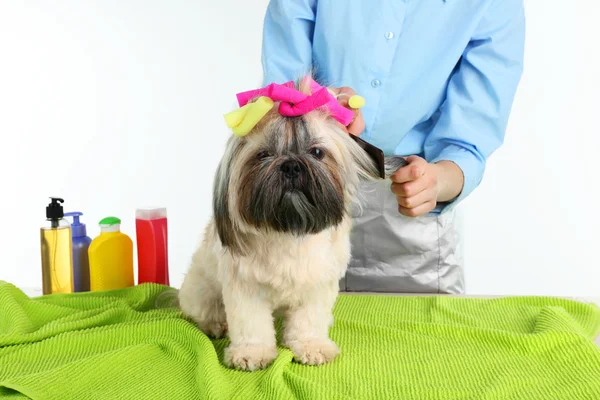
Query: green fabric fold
(134,344)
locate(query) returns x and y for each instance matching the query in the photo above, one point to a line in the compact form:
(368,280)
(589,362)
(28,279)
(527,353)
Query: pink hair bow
(292,103)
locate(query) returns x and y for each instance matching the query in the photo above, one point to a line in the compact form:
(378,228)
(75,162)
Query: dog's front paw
(249,357)
(313,352)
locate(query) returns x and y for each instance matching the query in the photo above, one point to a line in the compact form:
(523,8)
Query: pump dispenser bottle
(56,250)
(81,262)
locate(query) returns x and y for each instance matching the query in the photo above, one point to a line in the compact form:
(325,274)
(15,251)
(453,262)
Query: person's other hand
(420,185)
(416,187)
(357,126)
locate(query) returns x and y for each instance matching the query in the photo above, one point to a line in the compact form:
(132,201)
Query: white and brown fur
(279,239)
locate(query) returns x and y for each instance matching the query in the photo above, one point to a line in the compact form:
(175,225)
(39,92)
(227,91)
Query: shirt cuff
(472,168)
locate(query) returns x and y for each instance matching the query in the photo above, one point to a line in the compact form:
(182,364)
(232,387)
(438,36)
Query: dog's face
(292,177)
(289,175)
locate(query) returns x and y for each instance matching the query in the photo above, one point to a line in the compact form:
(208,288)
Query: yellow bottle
(111,257)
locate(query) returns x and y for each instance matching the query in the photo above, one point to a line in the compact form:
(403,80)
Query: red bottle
(152,245)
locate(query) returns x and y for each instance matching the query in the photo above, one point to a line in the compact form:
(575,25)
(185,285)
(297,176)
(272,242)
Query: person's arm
(287,40)
(473,119)
(479,97)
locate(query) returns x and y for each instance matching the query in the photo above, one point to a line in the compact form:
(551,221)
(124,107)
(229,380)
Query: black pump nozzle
(54,211)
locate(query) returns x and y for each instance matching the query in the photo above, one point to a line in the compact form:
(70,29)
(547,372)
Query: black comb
(374,152)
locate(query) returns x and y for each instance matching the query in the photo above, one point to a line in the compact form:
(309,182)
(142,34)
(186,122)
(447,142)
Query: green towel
(132,344)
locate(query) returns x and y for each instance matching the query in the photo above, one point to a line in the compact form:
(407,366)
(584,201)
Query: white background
(115,105)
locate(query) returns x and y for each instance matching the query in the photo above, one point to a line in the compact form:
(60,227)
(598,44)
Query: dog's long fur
(278,243)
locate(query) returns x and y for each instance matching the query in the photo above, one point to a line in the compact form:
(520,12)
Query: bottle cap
(78,229)
(110,224)
(55,209)
(151,213)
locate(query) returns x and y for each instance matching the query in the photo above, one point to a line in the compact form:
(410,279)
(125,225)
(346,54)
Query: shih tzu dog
(279,239)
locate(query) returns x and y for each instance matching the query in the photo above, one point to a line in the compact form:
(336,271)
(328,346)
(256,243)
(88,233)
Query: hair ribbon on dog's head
(292,103)
(242,120)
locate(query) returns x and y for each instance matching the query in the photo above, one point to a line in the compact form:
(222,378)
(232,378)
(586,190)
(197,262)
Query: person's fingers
(357,126)
(412,159)
(416,200)
(423,209)
(410,188)
(414,170)
(343,94)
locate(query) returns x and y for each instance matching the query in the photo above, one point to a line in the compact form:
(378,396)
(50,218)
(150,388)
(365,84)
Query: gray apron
(397,254)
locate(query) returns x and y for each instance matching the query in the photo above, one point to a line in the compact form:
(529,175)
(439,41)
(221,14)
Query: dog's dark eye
(317,153)
(263,154)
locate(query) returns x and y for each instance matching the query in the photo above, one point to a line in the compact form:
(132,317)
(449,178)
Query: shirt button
(389,35)
(375,82)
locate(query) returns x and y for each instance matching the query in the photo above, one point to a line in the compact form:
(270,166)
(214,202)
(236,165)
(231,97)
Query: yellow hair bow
(242,120)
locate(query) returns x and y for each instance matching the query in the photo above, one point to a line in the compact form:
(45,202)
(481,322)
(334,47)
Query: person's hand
(357,126)
(416,187)
(420,185)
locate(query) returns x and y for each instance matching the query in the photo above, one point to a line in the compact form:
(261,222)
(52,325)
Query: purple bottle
(81,261)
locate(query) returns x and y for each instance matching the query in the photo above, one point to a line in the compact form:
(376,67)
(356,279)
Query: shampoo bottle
(56,249)
(111,257)
(81,263)
(152,245)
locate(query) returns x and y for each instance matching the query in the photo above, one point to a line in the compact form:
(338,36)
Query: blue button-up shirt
(439,76)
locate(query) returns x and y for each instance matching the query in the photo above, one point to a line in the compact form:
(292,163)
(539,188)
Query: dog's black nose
(291,169)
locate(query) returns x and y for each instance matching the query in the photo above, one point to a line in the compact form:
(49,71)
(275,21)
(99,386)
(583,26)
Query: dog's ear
(228,233)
